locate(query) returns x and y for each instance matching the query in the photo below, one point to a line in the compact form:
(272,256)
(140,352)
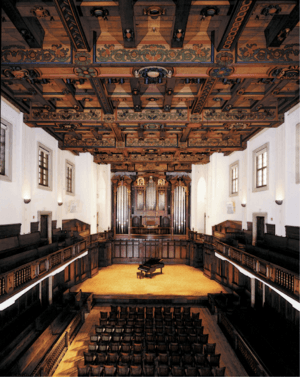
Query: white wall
(91,193)
(282,184)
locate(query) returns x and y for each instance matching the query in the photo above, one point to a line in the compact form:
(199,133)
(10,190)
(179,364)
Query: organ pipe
(122,210)
(179,210)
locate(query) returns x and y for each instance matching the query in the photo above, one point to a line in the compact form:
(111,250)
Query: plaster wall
(82,204)
(282,182)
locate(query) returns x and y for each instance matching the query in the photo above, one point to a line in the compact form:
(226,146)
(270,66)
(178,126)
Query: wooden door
(260,225)
(44,226)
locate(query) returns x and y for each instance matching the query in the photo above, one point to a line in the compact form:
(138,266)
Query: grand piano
(151,265)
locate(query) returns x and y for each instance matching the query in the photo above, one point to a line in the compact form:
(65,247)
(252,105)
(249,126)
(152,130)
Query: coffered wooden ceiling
(85,71)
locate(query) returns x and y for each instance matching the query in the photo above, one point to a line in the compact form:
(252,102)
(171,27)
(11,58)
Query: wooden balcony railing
(274,274)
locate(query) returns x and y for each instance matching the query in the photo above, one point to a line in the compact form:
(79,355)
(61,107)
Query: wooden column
(50,293)
(263,294)
(252,292)
(186,211)
(115,208)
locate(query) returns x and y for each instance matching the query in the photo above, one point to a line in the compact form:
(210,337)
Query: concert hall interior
(149,188)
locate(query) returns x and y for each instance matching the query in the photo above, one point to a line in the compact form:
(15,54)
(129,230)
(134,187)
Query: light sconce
(209,11)
(100,12)
(279,202)
(128,35)
(243,205)
(60,203)
(26,201)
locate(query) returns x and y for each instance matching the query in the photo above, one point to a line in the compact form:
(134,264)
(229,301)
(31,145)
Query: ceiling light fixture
(100,12)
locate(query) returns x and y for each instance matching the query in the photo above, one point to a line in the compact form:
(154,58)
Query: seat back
(200,359)
(100,359)
(135,370)
(136,359)
(197,348)
(205,371)
(88,358)
(122,370)
(177,371)
(83,371)
(191,371)
(149,358)
(148,370)
(214,360)
(163,370)
(210,348)
(163,358)
(203,338)
(218,371)
(95,370)
(109,370)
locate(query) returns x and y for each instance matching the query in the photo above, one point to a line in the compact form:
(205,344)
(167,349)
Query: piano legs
(139,275)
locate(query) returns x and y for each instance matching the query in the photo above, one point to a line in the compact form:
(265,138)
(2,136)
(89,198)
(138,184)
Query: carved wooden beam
(181,18)
(170,86)
(96,134)
(69,17)
(117,132)
(9,95)
(202,95)
(238,20)
(37,95)
(69,93)
(237,91)
(102,96)
(136,95)
(29,27)
(75,135)
(269,93)
(288,104)
(128,25)
(280,26)
(186,133)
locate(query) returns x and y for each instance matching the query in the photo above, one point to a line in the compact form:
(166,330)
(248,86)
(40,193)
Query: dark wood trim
(102,95)
(127,21)
(181,17)
(202,95)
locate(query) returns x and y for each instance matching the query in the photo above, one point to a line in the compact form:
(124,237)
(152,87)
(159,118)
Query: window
(70,178)
(44,167)
(5,151)
(260,163)
(234,179)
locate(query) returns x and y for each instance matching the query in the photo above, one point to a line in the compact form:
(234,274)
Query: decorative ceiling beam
(102,95)
(272,89)
(170,86)
(288,104)
(8,94)
(117,132)
(181,18)
(237,91)
(136,95)
(186,133)
(29,27)
(202,95)
(69,93)
(69,17)
(141,132)
(280,26)
(96,134)
(127,21)
(74,134)
(238,20)
(37,95)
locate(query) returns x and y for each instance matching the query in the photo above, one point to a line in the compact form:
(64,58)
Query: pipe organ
(150,204)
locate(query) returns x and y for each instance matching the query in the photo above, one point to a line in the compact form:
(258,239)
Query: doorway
(44,226)
(259,219)
(260,228)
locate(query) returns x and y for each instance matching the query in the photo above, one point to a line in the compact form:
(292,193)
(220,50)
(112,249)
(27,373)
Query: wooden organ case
(150,204)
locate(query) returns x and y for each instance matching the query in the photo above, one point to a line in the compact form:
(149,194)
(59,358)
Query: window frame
(231,167)
(70,164)
(256,153)
(50,157)
(7,176)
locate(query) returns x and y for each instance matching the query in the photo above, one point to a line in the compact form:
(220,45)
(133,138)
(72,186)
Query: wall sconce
(26,201)
(128,35)
(243,205)
(100,12)
(279,202)
(60,203)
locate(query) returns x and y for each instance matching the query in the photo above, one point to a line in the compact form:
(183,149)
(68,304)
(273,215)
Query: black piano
(151,265)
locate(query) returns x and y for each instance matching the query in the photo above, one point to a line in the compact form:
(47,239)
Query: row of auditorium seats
(160,342)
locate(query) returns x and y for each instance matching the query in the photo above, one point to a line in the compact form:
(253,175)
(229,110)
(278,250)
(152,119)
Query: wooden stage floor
(175,281)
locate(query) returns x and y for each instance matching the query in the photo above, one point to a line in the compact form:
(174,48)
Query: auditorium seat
(186,348)
(218,371)
(114,347)
(175,359)
(96,370)
(122,370)
(109,370)
(88,358)
(191,371)
(93,347)
(203,338)
(137,348)
(112,358)
(214,360)
(83,371)
(200,360)
(209,348)
(197,348)
(161,348)
(126,347)
(100,359)
(205,371)
(149,358)
(102,347)
(150,347)
(148,370)
(136,359)
(177,370)
(116,337)
(103,315)
(195,316)
(187,359)
(95,338)
(163,359)
(124,359)
(163,370)
(135,370)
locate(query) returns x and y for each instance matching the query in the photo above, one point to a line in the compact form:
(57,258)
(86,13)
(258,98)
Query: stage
(177,283)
